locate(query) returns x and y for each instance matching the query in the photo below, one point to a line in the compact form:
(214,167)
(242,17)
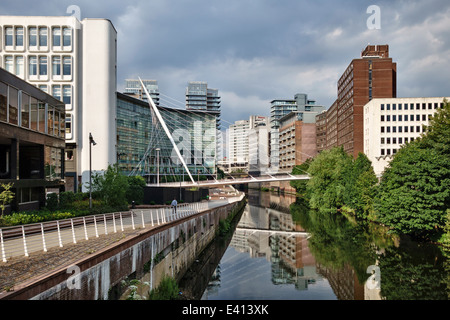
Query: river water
(281,250)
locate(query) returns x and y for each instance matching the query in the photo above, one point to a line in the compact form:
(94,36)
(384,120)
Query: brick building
(374,75)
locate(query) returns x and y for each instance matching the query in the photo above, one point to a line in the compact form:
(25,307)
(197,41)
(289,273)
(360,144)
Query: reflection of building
(289,255)
(31,141)
(139,135)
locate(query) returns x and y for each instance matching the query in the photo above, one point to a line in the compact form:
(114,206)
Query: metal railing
(24,239)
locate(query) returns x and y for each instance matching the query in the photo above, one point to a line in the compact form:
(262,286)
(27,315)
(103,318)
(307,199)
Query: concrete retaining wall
(91,278)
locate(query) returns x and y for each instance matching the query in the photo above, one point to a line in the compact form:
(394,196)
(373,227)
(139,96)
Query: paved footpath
(19,269)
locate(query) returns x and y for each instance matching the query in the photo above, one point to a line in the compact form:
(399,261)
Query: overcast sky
(255,51)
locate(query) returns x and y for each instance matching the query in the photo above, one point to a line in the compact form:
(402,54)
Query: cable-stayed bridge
(232,181)
(179,156)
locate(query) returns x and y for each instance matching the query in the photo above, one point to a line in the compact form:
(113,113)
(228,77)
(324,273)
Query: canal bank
(90,276)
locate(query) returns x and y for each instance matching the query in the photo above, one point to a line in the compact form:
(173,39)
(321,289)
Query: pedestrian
(174,206)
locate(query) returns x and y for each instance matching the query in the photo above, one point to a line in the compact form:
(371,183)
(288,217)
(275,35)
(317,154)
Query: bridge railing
(39,237)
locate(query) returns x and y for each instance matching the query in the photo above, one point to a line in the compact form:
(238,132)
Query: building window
(32,37)
(382,129)
(424,117)
(417,128)
(388,151)
(394,117)
(394,140)
(67,66)
(394,129)
(382,140)
(56,92)
(56,37)
(411,117)
(388,129)
(67,94)
(400,106)
(25,111)
(19,36)
(417,106)
(3,101)
(34,114)
(42,66)
(67,37)
(382,152)
(394,106)
(382,118)
(388,118)
(56,65)
(43,87)
(32,66)
(8,36)
(43,35)
(382,107)
(388,107)
(417,117)
(406,106)
(9,64)
(400,129)
(19,66)
(13,102)
(388,140)
(400,117)
(411,129)
(400,140)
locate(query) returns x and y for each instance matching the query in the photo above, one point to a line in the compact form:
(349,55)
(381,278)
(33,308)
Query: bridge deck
(231,181)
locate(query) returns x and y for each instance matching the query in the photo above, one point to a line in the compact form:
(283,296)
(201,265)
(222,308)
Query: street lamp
(157,166)
(91,142)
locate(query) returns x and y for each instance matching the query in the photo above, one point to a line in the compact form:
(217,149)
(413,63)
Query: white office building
(392,122)
(74,61)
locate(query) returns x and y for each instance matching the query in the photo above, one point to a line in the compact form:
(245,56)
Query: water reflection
(271,257)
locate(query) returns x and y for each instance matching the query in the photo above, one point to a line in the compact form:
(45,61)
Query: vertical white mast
(163,124)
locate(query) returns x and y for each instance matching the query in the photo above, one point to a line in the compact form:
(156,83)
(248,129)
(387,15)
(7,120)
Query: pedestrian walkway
(20,267)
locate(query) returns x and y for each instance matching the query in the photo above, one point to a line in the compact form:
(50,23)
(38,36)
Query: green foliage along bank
(412,196)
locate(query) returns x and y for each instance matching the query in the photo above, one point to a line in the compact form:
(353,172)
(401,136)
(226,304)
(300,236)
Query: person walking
(174,206)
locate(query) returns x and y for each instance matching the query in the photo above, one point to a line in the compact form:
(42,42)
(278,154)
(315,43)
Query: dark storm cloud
(254,51)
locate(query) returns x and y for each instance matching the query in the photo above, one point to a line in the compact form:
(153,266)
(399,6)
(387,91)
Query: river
(281,250)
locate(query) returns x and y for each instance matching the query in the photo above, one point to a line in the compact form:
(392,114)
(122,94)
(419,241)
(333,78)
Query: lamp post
(157,166)
(91,142)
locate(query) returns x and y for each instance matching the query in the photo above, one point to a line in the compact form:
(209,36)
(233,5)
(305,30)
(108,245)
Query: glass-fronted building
(32,130)
(142,141)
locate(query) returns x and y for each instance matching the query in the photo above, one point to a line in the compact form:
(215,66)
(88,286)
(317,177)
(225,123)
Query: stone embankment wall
(91,278)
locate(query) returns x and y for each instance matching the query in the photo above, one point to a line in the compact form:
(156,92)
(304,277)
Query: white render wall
(393,141)
(99,95)
(93,80)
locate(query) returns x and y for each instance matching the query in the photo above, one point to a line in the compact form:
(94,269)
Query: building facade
(391,123)
(134,88)
(297,139)
(374,75)
(144,149)
(74,61)
(280,108)
(32,130)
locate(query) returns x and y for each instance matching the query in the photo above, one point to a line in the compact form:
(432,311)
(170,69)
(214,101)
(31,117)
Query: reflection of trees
(413,271)
(336,242)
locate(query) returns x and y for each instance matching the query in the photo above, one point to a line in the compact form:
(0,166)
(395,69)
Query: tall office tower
(74,61)
(200,97)
(134,88)
(374,75)
(280,108)
(258,145)
(238,145)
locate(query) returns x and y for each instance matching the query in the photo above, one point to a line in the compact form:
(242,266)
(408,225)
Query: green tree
(135,190)
(300,185)
(6,196)
(329,172)
(414,192)
(111,186)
